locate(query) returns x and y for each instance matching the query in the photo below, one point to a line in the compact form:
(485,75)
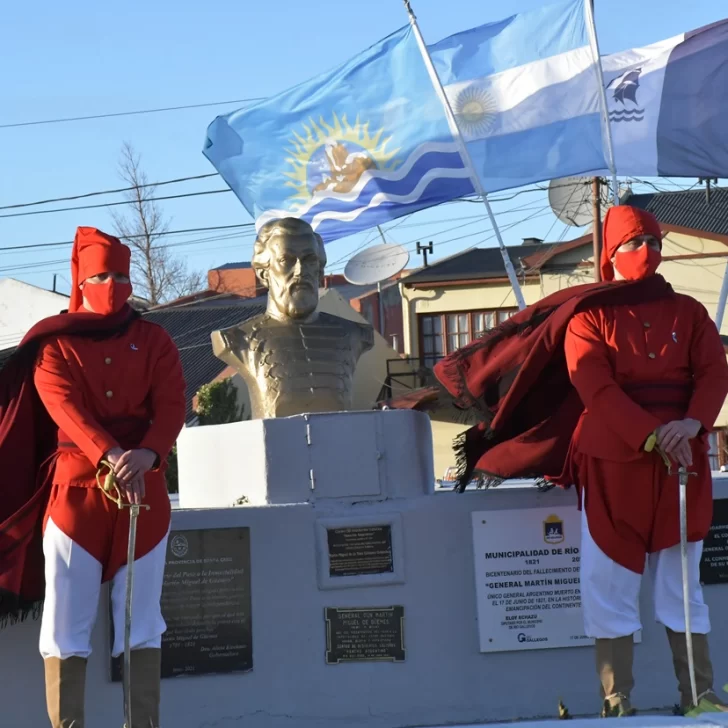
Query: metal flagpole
(722,298)
(607,129)
(597,227)
(464,153)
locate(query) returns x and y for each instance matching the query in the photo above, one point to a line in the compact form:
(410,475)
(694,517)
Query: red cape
(28,442)
(515,380)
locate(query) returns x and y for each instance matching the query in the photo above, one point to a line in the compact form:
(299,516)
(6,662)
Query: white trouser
(73,590)
(610,593)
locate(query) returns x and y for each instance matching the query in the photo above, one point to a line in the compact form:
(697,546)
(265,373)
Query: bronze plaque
(206,603)
(364,634)
(714,562)
(359,550)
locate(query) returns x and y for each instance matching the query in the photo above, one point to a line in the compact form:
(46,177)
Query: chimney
(532,241)
(237,278)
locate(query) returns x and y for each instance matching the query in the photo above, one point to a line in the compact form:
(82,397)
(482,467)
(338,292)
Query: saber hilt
(110,487)
(652,445)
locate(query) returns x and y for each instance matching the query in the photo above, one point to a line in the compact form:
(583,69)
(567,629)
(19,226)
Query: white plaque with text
(527,578)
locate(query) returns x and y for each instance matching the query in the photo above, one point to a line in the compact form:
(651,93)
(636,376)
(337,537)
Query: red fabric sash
(515,379)
(28,445)
(669,396)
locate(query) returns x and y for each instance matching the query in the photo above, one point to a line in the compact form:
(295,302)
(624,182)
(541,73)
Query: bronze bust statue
(293,358)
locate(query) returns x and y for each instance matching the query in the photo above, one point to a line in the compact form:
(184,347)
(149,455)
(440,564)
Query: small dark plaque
(714,563)
(206,603)
(359,550)
(364,634)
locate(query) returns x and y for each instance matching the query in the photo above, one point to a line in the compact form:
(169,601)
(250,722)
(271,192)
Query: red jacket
(637,367)
(127,390)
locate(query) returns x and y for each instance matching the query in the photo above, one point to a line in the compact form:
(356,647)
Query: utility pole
(423,250)
(380,300)
(707,181)
(597,227)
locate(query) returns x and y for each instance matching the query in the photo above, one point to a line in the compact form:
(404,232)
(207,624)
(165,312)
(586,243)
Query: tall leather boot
(65,691)
(703,670)
(146,667)
(614,667)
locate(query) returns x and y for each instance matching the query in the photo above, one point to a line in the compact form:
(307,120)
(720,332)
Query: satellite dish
(571,200)
(376,264)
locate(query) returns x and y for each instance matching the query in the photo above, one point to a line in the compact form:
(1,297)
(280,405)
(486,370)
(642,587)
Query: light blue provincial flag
(668,105)
(526,95)
(360,145)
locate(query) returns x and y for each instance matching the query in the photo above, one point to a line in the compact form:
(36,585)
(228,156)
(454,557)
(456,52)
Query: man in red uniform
(118,398)
(568,391)
(654,367)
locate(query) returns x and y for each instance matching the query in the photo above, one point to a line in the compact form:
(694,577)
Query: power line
(108,192)
(183,243)
(241,226)
(540,212)
(113,204)
(159,234)
(176,232)
(535,188)
(177,180)
(43,264)
(129,113)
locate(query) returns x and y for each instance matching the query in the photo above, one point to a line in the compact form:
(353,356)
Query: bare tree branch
(158,275)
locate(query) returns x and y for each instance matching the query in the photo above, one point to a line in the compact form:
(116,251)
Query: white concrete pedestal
(341,456)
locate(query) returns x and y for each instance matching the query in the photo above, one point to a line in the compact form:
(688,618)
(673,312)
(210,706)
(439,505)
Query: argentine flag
(525,92)
(668,105)
(362,144)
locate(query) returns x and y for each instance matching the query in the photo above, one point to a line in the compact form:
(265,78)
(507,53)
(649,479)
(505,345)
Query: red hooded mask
(95,252)
(621,224)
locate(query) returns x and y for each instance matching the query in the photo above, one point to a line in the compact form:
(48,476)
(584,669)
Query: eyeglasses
(638,242)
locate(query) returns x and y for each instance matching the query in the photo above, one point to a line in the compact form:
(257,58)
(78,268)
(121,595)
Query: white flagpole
(607,128)
(465,154)
(722,298)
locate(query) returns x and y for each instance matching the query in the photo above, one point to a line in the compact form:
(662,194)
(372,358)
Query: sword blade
(133,515)
(683,480)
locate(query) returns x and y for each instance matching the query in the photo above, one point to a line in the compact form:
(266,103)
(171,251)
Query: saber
(683,479)
(110,488)
(133,515)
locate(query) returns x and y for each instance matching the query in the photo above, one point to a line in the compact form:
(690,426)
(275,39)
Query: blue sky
(84,58)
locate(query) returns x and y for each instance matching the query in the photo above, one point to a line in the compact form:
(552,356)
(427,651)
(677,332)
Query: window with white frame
(443,333)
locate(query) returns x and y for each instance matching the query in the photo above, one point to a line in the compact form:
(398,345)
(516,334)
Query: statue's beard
(297,301)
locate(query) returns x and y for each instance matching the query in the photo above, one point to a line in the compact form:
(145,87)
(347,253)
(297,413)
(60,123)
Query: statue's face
(294,275)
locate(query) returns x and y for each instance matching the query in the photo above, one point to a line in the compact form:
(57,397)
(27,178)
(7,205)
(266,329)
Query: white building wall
(22,306)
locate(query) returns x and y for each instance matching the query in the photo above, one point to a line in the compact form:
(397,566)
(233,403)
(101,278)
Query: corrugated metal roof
(475,263)
(688,209)
(190,328)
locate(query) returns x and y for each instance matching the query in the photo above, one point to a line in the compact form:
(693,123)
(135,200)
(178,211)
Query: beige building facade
(453,301)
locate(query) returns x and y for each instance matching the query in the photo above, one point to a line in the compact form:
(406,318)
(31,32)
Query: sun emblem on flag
(475,110)
(330,158)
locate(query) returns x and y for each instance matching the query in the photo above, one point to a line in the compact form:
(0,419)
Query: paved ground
(654,719)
